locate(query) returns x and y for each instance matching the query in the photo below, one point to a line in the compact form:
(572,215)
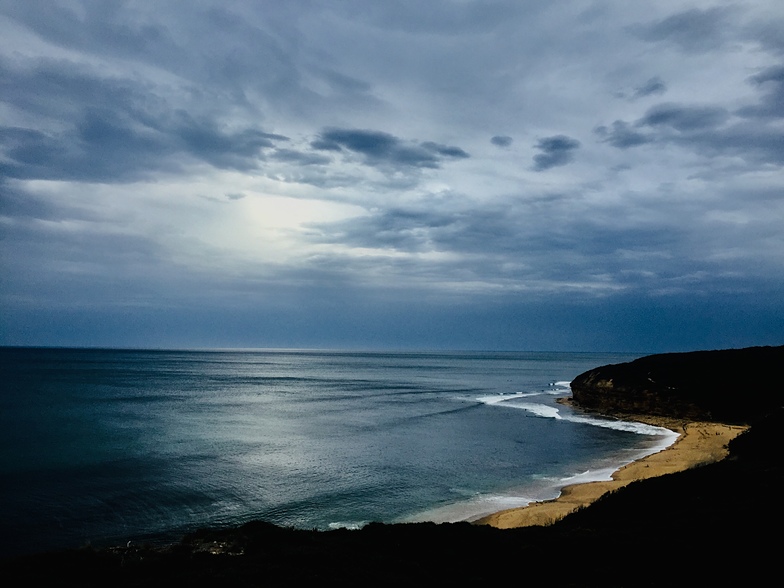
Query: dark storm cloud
(299,157)
(749,133)
(751,142)
(212,142)
(501,244)
(97,149)
(343,83)
(755,143)
(622,135)
(110,129)
(403,229)
(495,230)
(445,150)
(384,149)
(692,30)
(108,147)
(556,151)
(17,203)
(56,89)
(768,33)
(771,82)
(653,86)
(774,74)
(501,141)
(210,45)
(93,25)
(684,117)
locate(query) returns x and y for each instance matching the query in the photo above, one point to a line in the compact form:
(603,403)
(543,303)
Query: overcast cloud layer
(576,175)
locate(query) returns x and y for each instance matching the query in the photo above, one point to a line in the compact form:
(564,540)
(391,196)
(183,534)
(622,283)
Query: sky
(581,175)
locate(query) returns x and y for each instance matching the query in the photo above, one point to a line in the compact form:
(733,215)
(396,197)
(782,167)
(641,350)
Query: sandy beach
(699,443)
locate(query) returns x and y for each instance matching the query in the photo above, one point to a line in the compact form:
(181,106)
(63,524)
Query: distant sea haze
(105,446)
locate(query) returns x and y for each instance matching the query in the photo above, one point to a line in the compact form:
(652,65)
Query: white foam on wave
(498,398)
(595,475)
(475,508)
(480,505)
(629,426)
(544,410)
(547,488)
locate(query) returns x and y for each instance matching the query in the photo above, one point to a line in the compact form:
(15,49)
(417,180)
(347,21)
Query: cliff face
(732,385)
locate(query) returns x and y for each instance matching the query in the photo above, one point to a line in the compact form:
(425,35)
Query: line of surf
(553,412)
(475,507)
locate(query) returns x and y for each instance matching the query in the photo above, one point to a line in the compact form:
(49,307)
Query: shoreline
(699,443)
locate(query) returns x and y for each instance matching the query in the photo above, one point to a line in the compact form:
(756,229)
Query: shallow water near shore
(106,446)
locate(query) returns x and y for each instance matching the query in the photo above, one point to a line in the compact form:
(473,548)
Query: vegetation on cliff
(730,386)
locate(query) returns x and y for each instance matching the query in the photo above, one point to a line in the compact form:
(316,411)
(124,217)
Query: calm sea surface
(106,446)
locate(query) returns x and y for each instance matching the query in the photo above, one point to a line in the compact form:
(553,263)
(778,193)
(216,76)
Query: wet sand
(699,443)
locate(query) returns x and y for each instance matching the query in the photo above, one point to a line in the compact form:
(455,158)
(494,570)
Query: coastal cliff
(731,385)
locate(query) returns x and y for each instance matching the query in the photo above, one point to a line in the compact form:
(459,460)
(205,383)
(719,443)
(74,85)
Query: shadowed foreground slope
(709,524)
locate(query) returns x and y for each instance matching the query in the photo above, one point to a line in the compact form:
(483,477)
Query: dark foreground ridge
(708,524)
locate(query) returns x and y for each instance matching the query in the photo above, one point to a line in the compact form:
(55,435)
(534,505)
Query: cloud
(445,150)
(653,86)
(622,135)
(383,149)
(693,30)
(110,129)
(771,82)
(557,150)
(222,147)
(547,243)
(501,140)
(748,133)
(107,146)
(767,32)
(299,157)
(754,143)
(684,117)
(18,204)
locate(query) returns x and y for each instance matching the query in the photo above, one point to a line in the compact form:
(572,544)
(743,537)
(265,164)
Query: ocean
(101,447)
